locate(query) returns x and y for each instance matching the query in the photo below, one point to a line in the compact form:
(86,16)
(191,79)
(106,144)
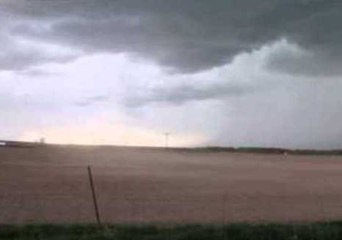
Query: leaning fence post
(97,214)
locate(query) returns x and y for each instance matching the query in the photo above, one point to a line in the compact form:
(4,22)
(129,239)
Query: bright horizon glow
(104,134)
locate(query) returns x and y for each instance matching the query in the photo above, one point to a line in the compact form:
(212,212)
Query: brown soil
(50,184)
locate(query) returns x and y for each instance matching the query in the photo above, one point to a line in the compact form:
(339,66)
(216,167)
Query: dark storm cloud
(185,93)
(13,58)
(187,36)
(19,59)
(305,63)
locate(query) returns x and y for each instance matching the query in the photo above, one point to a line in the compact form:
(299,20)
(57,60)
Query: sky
(263,73)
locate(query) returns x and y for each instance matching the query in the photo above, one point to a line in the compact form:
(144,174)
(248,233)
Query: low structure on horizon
(5,143)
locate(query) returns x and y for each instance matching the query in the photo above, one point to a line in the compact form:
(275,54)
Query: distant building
(5,143)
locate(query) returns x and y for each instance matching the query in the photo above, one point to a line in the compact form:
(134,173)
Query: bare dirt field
(50,184)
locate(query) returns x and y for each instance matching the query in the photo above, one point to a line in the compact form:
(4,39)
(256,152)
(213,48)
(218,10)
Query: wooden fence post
(96,208)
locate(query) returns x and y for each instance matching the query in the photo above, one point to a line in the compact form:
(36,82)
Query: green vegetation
(317,231)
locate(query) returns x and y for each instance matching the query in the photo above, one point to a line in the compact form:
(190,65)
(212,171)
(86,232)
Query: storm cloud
(184,36)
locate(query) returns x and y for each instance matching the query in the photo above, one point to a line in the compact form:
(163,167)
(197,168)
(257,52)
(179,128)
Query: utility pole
(42,140)
(167,139)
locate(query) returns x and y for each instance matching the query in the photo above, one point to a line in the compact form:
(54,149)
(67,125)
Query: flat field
(49,184)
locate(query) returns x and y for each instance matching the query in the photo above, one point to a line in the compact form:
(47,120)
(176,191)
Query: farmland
(49,184)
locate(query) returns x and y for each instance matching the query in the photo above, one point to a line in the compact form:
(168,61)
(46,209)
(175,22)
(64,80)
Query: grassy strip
(317,231)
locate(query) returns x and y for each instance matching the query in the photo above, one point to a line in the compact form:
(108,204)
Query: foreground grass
(317,231)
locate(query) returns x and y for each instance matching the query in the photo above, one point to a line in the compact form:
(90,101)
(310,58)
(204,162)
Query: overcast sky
(219,72)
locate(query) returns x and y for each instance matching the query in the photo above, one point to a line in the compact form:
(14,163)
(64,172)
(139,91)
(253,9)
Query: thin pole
(167,139)
(94,196)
